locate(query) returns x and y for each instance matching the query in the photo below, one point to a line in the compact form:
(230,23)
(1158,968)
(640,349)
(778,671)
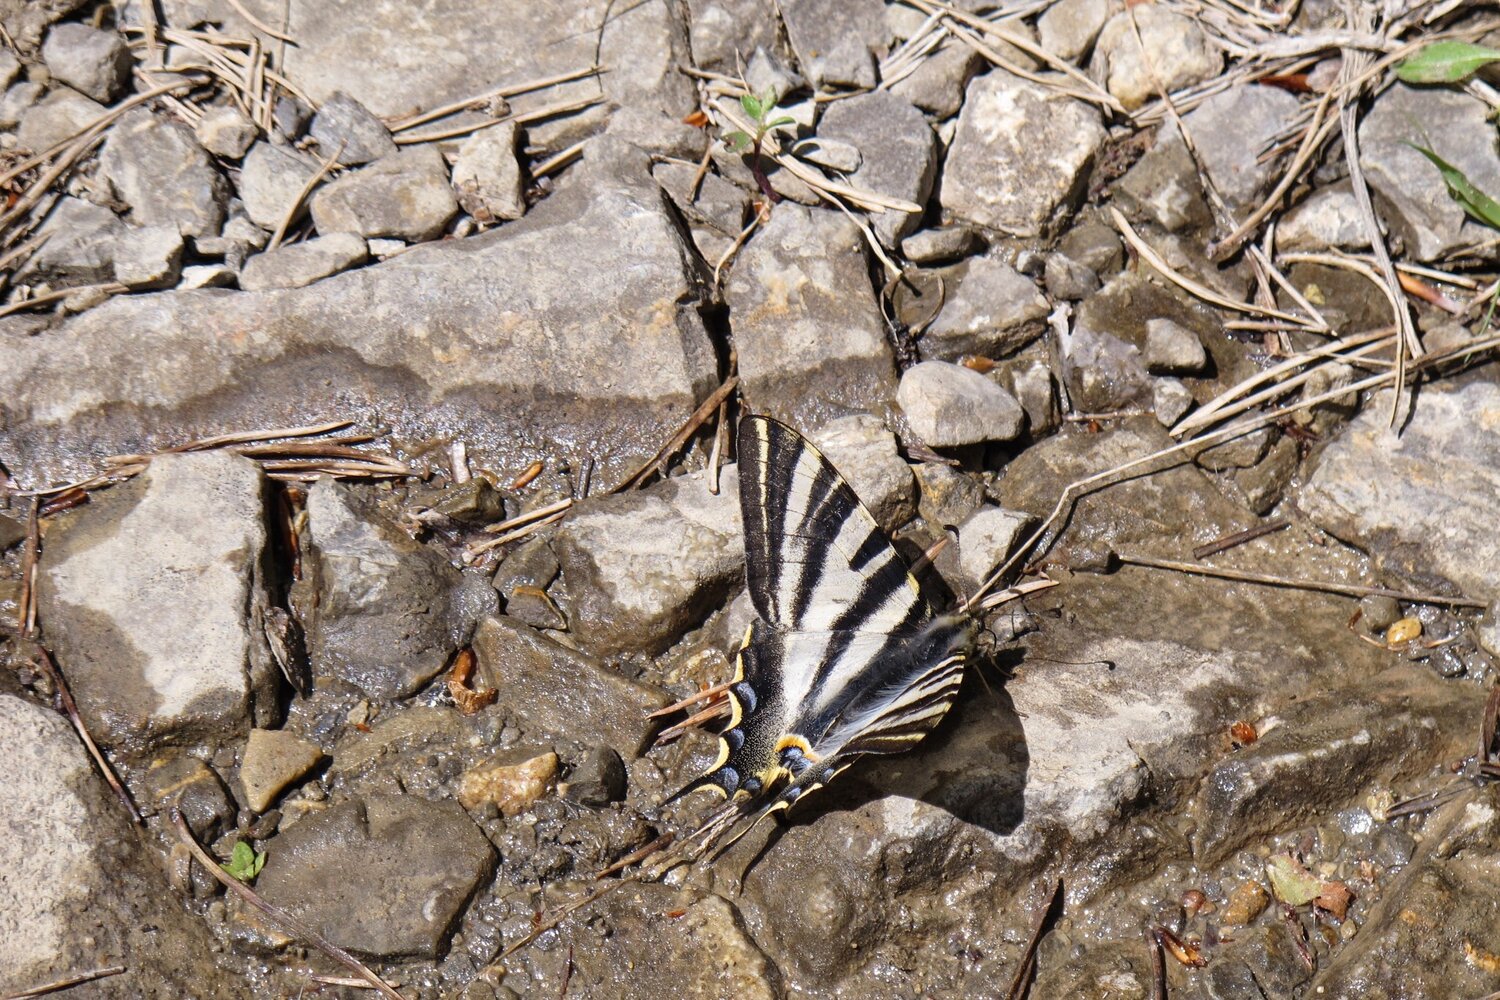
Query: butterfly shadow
(973,765)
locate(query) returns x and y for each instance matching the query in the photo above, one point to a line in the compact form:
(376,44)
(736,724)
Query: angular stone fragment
(807,328)
(151,595)
(949,406)
(898,151)
(939,246)
(1177,53)
(558,691)
(833,38)
(382,611)
(990,309)
(487,175)
(271,179)
(406,196)
(512,781)
(56,118)
(149,257)
(937,85)
(274,758)
(1328,218)
(385,876)
(89,60)
(1019,156)
(1173,349)
(79,248)
(986,538)
(345,126)
(156,167)
(225,130)
(303,263)
(642,568)
(1068,28)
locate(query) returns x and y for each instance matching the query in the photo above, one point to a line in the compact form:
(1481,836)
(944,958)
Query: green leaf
(245,862)
(1292,883)
(1446,62)
(752,106)
(783,120)
(1474,201)
(737,141)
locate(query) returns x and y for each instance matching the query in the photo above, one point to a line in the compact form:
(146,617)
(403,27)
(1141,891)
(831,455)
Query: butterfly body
(845,657)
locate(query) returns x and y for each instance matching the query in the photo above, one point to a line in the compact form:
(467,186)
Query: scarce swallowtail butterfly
(845,657)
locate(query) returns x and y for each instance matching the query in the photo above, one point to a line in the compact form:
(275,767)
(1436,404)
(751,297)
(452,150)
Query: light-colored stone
(1019,155)
(90,60)
(864,452)
(1173,349)
(986,538)
(271,179)
(10,67)
(303,263)
(225,130)
(511,782)
(939,246)
(767,75)
(949,406)
(151,596)
(1329,218)
(833,39)
(1170,400)
(56,118)
(406,196)
(989,308)
(149,257)
(207,276)
(487,175)
(937,85)
(157,168)
(1068,28)
(898,153)
(1176,54)
(79,247)
(18,97)
(273,760)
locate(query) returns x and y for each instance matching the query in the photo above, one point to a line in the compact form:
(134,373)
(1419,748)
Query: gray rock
(17,99)
(833,39)
(381,611)
(1173,349)
(1421,503)
(1419,209)
(91,61)
(1237,453)
(303,263)
(11,531)
(1095,246)
(80,246)
(642,568)
(1177,54)
(1352,740)
(1068,28)
(56,118)
(531,564)
(273,759)
(715,212)
(10,66)
(225,130)
(1170,401)
(239,238)
(1020,155)
(1068,279)
(949,406)
(27,22)
(1328,218)
(149,257)
(725,34)
(207,276)
(834,154)
(864,451)
(533,383)
(345,125)
(558,691)
(487,175)
(90,899)
(937,85)
(939,246)
(182,781)
(271,179)
(948,496)
(899,153)
(1163,186)
(385,876)
(1036,391)
(767,75)
(151,597)
(407,196)
(158,169)
(596,780)
(990,308)
(986,538)
(809,333)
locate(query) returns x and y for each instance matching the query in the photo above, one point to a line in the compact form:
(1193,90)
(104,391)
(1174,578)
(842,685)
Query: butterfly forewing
(847,657)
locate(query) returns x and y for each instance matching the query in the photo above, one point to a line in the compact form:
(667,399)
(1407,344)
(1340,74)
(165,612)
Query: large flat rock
(542,339)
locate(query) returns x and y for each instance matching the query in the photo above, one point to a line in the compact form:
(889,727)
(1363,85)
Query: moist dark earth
(368,382)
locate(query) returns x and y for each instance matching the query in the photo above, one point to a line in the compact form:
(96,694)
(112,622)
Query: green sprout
(245,862)
(760,110)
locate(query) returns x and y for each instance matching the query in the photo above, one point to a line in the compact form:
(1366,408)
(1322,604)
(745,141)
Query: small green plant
(245,862)
(1446,62)
(760,109)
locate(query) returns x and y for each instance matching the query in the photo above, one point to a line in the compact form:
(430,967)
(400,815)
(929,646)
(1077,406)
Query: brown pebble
(1245,903)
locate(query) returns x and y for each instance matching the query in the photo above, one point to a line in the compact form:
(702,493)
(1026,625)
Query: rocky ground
(366,393)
